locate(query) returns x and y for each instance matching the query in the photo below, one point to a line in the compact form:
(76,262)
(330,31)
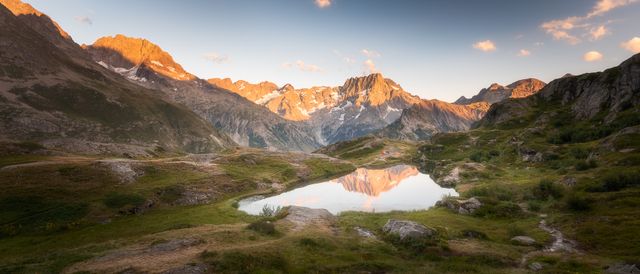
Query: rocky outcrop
(497,93)
(253,92)
(407,230)
(468,206)
(622,268)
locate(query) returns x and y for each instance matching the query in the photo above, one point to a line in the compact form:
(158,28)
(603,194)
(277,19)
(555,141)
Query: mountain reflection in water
(400,187)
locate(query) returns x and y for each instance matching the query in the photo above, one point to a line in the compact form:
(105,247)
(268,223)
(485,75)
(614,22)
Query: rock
(569,181)
(530,155)
(535,266)
(460,206)
(122,169)
(622,268)
(364,232)
(407,229)
(188,269)
(523,240)
(451,179)
(304,216)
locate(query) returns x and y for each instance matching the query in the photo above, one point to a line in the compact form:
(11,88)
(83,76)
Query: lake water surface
(400,187)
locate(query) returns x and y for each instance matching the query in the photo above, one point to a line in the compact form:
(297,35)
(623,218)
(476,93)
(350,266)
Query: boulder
(407,229)
(622,268)
(523,240)
(304,216)
(535,266)
(460,206)
(365,233)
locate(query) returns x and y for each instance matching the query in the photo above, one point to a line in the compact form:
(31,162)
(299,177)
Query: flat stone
(523,240)
(407,229)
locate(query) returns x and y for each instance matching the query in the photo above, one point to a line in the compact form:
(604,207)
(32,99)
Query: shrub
(534,206)
(270,211)
(117,200)
(265,227)
(547,188)
(619,181)
(471,233)
(515,231)
(585,165)
(240,262)
(578,202)
(579,153)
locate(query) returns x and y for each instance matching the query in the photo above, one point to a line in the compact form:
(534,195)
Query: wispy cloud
(486,46)
(370,66)
(302,66)
(592,56)
(370,53)
(598,32)
(524,53)
(216,58)
(84,20)
(323,3)
(565,29)
(632,45)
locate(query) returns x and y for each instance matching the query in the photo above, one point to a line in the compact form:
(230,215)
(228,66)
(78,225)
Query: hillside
(52,94)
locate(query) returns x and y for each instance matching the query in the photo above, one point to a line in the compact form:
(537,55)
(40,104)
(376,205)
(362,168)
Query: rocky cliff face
(358,107)
(246,123)
(611,94)
(429,117)
(253,92)
(52,93)
(496,93)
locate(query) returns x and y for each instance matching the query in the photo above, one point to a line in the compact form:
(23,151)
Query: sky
(440,49)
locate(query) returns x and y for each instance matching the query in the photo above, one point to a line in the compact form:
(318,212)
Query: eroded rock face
(407,230)
(496,93)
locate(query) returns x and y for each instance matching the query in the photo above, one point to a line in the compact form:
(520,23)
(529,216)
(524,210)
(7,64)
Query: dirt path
(559,244)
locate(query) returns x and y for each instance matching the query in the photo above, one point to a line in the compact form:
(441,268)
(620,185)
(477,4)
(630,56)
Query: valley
(116,159)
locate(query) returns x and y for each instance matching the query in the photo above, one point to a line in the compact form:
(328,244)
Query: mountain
(360,106)
(253,92)
(53,94)
(496,93)
(423,120)
(586,106)
(248,124)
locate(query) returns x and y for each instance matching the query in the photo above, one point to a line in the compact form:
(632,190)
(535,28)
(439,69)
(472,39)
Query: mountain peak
(495,86)
(287,87)
(496,92)
(39,22)
(128,52)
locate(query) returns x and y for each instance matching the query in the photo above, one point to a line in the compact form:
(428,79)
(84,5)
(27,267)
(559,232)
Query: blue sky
(425,46)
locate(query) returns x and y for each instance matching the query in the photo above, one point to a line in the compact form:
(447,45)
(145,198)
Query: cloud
(302,66)
(604,6)
(370,66)
(370,53)
(592,56)
(348,60)
(524,53)
(538,44)
(562,29)
(323,3)
(632,45)
(216,58)
(485,46)
(84,20)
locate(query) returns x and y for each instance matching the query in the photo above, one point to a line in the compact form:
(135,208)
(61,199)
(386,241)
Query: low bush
(617,182)
(264,227)
(577,202)
(241,262)
(118,200)
(585,165)
(546,189)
